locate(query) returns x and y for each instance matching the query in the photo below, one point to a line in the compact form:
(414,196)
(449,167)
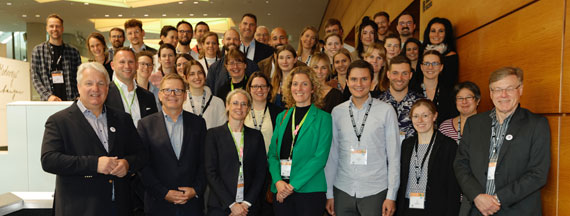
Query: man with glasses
(504,155)
(399,96)
(135,34)
(117,39)
(184,38)
(406,27)
(218,74)
(174,178)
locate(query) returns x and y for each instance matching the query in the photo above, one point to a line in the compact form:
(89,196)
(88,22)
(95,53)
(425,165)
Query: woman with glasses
(467,98)
(376,56)
(412,50)
(98,51)
(210,51)
(200,100)
(331,96)
(235,161)
(308,44)
(300,147)
(438,36)
(144,71)
(181,59)
(431,88)
(235,64)
(427,181)
(367,35)
(286,61)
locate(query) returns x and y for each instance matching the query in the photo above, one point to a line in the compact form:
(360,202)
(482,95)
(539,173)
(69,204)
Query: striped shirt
(448,129)
(498,132)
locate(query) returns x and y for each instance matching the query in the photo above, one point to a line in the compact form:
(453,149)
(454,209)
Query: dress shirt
(175,132)
(134,110)
(248,51)
(402,110)
(194,55)
(498,132)
(99,124)
(379,136)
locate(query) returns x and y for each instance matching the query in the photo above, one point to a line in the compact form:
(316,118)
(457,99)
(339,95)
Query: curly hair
(315,84)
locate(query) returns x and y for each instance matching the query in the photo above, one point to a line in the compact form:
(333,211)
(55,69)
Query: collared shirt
(249,51)
(402,110)
(175,132)
(99,124)
(498,132)
(143,48)
(194,55)
(128,97)
(379,137)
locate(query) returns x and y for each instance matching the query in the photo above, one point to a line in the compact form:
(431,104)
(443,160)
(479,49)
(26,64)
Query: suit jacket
(147,103)
(218,76)
(442,190)
(166,172)
(522,166)
(222,167)
(274,110)
(309,155)
(70,150)
(262,51)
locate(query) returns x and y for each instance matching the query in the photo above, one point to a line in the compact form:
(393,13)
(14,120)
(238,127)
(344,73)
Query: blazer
(262,51)
(442,190)
(522,166)
(166,172)
(70,150)
(147,103)
(218,75)
(310,154)
(222,168)
(274,110)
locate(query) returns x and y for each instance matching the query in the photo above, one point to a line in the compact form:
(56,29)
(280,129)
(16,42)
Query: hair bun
(366,18)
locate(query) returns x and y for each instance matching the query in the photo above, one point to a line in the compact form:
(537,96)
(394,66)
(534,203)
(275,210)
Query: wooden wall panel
(531,39)
(566,62)
(549,192)
(564,176)
(468,17)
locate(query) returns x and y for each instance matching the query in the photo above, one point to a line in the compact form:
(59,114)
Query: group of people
(261,128)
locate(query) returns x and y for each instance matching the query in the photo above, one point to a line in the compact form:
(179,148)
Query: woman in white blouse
(210,52)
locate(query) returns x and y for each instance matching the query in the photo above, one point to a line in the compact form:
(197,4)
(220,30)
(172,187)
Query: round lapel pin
(509,137)
(112,129)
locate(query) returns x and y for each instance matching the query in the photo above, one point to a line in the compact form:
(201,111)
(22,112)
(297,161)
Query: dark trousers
(301,204)
(347,205)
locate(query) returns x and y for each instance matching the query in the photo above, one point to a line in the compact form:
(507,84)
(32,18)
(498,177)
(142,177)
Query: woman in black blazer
(235,161)
(427,181)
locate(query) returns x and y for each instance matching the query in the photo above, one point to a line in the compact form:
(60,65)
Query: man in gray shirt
(364,162)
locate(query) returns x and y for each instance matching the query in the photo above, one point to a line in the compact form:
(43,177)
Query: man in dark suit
(91,148)
(123,91)
(174,179)
(504,155)
(253,49)
(218,74)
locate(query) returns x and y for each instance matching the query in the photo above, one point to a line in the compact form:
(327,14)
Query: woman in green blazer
(300,147)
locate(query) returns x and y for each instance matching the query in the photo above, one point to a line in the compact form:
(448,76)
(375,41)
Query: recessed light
(86,3)
(163,15)
(177,14)
(205,14)
(195,2)
(24,15)
(180,2)
(145,15)
(37,16)
(120,15)
(191,14)
(211,2)
(106,15)
(219,14)
(8,3)
(266,2)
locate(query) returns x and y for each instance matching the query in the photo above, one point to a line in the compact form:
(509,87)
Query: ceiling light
(145,15)
(195,2)
(37,16)
(24,15)
(163,15)
(205,14)
(180,2)
(268,14)
(8,3)
(106,15)
(86,3)
(266,2)
(120,15)
(118,3)
(191,14)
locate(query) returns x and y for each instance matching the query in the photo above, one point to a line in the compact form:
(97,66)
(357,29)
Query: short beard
(184,43)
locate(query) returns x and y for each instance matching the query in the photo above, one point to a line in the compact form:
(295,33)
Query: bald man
(278,38)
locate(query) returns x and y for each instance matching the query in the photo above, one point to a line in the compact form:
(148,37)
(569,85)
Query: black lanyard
(458,129)
(253,118)
(203,103)
(419,169)
(435,95)
(359,133)
(206,62)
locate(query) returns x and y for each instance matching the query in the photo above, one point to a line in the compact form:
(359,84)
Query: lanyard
(435,96)
(203,103)
(206,61)
(459,129)
(125,97)
(232,84)
(359,133)
(295,130)
(238,148)
(253,118)
(418,168)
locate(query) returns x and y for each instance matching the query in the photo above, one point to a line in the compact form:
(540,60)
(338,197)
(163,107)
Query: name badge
(240,186)
(417,200)
(57,77)
(491,170)
(358,156)
(286,168)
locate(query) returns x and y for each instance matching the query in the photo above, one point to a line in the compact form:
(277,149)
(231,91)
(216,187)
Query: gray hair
(503,72)
(238,91)
(95,66)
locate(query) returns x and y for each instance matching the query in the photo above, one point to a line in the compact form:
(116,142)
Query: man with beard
(278,39)
(382,19)
(253,49)
(135,34)
(201,29)
(117,39)
(217,74)
(406,27)
(185,34)
(399,73)
(333,26)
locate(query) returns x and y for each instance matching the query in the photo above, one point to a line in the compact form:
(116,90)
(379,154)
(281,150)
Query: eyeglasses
(142,64)
(427,64)
(468,99)
(185,31)
(417,116)
(237,103)
(409,23)
(256,87)
(168,91)
(509,90)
